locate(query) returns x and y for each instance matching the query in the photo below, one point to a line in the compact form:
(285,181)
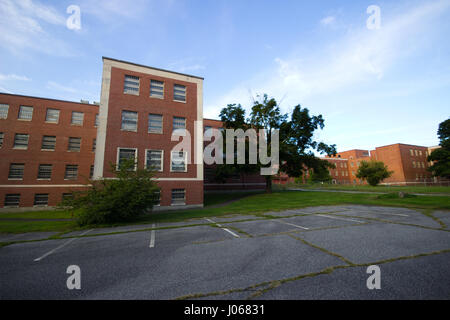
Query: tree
(441,156)
(373,172)
(321,174)
(131,194)
(296,145)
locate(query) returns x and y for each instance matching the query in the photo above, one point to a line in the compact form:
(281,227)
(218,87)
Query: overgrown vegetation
(373,172)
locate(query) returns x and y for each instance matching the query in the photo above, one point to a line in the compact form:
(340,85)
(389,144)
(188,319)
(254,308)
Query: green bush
(131,194)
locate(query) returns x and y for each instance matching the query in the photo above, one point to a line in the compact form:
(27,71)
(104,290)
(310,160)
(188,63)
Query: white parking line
(152,237)
(392,214)
(338,218)
(61,246)
(291,224)
(225,229)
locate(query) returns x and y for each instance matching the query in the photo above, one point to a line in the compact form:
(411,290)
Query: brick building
(46,149)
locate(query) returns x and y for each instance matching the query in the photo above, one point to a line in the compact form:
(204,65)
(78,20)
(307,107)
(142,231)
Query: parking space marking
(152,237)
(225,229)
(392,214)
(291,224)
(338,218)
(61,246)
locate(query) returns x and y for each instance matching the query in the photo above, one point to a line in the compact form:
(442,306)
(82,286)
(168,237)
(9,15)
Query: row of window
(52,115)
(416,153)
(48,142)
(418,164)
(41,199)
(16,171)
(155,122)
(154,159)
(132,85)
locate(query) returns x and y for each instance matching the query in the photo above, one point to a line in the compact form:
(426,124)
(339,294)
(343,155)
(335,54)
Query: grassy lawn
(252,204)
(367,188)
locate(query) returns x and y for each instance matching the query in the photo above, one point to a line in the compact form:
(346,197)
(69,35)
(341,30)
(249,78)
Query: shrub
(131,194)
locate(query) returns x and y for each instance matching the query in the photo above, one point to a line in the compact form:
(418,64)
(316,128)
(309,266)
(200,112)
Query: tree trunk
(268,184)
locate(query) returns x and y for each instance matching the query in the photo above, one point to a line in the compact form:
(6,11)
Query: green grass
(367,188)
(252,205)
(218,198)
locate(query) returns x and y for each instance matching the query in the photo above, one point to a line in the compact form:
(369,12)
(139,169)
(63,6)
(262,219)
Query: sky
(377,78)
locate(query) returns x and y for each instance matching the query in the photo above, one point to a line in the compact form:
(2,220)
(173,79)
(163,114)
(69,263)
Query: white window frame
(82,118)
(135,157)
(185,93)
(157,96)
(19,147)
(162,159)
(173,123)
(185,161)
(121,121)
(4,110)
(171,197)
(47,113)
(133,92)
(162,123)
(42,144)
(20,112)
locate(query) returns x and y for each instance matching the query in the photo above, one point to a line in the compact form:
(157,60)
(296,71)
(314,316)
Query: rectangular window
(52,116)
(91,172)
(414,164)
(179,123)
(178,161)
(156,89)
(131,85)
(45,171)
(415,151)
(21,141)
(154,160)
(179,92)
(48,143)
(178,196)
(96,121)
(4,111)
(77,118)
(41,199)
(12,200)
(411,151)
(158,198)
(125,154)
(25,113)
(94,145)
(16,171)
(155,123)
(74,144)
(129,120)
(1,138)
(71,172)
(67,196)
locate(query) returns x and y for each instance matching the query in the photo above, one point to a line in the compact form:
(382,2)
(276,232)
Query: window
(48,143)
(67,196)
(178,196)
(4,111)
(155,123)
(1,138)
(125,154)
(129,120)
(414,164)
(52,116)
(411,151)
(179,92)
(94,145)
(351,164)
(41,199)
(21,141)
(156,89)
(25,113)
(131,85)
(91,172)
(74,144)
(96,121)
(45,171)
(77,118)
(16,171)
(71,172)
(178,161)
(179,123)
(420,152)
(158,198)
(12,200)
(415,151)
(154,160)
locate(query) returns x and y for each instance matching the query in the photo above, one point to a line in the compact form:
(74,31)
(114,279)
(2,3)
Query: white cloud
(109,10)
(24,25)
(360,56)
(329,20)
(9,77)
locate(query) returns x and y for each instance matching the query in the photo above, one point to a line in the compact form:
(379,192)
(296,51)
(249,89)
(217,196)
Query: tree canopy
(441,156)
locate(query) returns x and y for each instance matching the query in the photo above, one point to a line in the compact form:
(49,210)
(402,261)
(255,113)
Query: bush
(131,194)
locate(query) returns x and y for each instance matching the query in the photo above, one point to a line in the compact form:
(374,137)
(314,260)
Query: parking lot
(309,253)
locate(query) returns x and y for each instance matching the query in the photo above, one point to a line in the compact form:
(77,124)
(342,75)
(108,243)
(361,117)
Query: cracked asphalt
(309,253)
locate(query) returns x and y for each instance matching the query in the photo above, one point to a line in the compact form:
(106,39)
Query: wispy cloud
(360,56)
(186,65)
(8,77)
(109,10)
(329,20)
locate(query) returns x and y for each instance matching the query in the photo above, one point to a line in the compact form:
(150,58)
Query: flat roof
(402,144)
(159,69)
(59,100)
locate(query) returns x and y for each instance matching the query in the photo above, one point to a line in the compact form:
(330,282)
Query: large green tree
(441,156)
(373,172)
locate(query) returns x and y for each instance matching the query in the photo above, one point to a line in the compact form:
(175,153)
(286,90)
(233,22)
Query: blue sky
(373,87)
